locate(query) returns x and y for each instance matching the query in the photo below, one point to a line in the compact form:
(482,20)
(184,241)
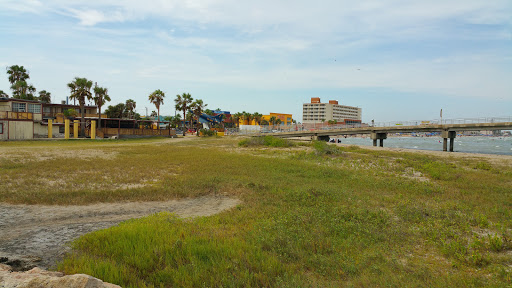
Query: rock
(46,279)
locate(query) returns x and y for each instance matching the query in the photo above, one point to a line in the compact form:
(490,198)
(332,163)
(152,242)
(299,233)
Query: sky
(397,60)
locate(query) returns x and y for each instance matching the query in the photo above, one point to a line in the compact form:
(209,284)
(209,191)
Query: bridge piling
(448,134)
(379,136)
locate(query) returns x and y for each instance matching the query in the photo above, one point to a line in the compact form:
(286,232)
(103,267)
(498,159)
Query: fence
(16,115)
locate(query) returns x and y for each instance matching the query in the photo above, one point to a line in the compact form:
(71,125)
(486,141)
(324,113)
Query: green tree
(197,108)
(264,122)
(273,120)
(157,98)
(182,103)
(45,97)
(236,118)
(247,117)
(208,112)
(257,117)
(18,77)
(81,91)
(3,94)
(130,107)
(278,121)
(117,111)
(17,73)
(101,97)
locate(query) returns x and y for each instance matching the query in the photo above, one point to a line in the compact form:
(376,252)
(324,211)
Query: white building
(316,112)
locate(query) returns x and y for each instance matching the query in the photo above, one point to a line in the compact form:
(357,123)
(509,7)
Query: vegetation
(269,141)
(45,96)
(157,98)
(81,91)
(182,103)
(355,218)
(101,97)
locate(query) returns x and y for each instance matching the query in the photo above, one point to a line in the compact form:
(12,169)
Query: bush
(269,141)
(322,148)
(207,132)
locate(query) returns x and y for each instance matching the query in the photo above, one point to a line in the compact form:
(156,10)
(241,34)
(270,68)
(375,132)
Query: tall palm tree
(247,117)
(257,117)
(183,102)
(236,118)
(17,73)
(22,90)
(198,107)
(130,107)
(100,98)
(45,97)
(273,120)
(157,98)
(81,91)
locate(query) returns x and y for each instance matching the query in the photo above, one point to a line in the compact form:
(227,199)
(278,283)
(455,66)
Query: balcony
(9,115)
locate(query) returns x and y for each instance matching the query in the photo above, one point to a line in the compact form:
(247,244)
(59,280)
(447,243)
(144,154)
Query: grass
(320,216)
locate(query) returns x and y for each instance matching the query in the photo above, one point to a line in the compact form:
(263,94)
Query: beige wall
(21,130)
(5,130)
(5,106)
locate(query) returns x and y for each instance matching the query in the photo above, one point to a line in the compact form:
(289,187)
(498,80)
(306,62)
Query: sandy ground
(36,235)
(496,159)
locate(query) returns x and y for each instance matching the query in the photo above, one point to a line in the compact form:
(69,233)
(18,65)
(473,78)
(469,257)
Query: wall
(5,130)
(5,106)
(19,130)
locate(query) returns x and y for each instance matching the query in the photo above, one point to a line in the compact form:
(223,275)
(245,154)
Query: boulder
(38,278)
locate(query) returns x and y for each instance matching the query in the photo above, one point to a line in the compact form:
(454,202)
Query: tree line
(80,90)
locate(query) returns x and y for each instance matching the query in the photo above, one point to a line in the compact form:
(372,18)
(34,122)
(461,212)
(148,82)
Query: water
(473,144)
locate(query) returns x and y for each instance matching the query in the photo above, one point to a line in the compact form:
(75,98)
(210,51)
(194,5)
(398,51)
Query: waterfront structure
(317,112)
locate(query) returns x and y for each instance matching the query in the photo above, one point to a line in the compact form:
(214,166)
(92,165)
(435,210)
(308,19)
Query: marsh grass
(348,218)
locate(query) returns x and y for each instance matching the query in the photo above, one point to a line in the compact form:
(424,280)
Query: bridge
(447,128)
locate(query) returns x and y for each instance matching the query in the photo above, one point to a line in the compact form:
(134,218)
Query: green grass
(318,216)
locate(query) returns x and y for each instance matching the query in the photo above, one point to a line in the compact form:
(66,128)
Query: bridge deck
(398,129)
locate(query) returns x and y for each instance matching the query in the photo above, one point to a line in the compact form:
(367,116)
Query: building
(20,119)
(317,112)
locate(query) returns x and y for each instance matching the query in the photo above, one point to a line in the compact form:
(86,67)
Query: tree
(45,97)
(153,113)
(264,122)
(18,76)
(157,98)
(130,107)
(117,111)
(81,91)
(3,94)
(183,102)
(278,121)
(197,108)
(100,98)
(208,112)
(273,120)
(236,118)
(22,90)
(257,117)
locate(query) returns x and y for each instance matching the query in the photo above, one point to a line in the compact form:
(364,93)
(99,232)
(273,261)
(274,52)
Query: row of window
(26,107)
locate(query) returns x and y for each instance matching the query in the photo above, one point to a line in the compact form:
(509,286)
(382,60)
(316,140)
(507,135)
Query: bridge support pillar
(379,136)
(321,138)
(446,135)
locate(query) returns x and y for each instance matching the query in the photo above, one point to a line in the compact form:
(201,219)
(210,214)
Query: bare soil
(36,235)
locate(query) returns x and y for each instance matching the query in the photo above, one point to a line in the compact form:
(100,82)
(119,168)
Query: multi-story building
(317,112)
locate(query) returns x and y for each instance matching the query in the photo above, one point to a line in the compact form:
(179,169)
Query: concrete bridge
(448,131)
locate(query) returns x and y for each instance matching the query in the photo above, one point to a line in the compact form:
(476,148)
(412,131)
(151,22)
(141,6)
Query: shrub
(269,141)
(207,132)
(322,148)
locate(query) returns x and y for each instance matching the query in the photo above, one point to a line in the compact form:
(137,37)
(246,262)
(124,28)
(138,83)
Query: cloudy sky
(398,60)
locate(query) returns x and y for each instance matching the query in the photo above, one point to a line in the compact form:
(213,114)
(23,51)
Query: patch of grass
(269,141)
(351,219)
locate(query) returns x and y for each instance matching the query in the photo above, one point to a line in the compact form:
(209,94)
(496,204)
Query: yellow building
(286,119)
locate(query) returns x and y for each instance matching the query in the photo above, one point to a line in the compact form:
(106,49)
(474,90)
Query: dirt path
(36,235)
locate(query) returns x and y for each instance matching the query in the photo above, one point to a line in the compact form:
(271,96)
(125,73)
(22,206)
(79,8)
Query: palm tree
(273,120)
(157,98)
(247,117)
(45,97)
(257,117)
(130,107)
(21,90)
(3,94)
(81,91)
(100,98)
(208,112)
(198,107)
(183,102)
(17,73)
(236,117)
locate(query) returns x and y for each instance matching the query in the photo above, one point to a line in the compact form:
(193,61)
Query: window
(1,128)
(34,108)
(19,107)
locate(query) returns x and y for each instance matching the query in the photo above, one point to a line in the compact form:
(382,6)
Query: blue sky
(398,60)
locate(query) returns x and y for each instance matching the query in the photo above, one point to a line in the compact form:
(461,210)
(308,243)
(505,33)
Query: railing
(107,132)
(16,115)
(444,121)
(59,114)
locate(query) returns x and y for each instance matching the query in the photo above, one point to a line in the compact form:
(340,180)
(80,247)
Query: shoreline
(495,158)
